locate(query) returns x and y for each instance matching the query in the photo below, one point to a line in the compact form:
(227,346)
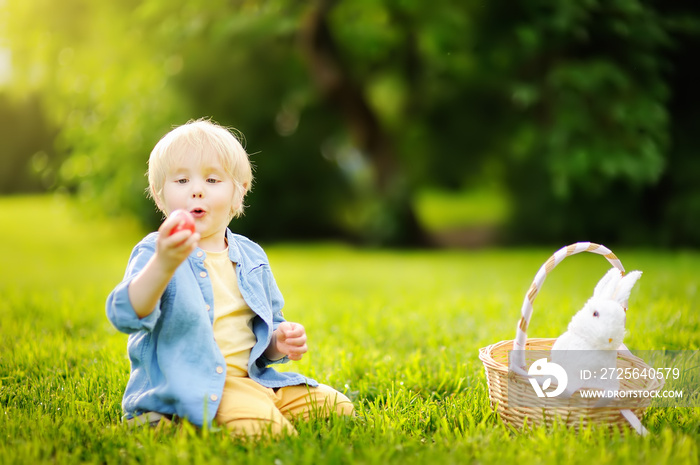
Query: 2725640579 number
(637,373)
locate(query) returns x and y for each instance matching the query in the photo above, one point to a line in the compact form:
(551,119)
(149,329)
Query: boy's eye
(181,181)
(212,180)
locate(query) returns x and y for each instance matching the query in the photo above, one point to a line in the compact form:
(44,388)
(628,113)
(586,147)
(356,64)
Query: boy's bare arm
(147,287)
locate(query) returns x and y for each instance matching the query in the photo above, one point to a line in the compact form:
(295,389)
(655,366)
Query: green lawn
(399,332)
(483,206)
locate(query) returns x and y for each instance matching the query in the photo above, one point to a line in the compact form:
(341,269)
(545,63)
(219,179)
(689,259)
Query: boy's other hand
(291,340)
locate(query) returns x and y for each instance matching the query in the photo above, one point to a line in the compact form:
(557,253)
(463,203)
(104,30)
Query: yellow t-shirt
(233,318)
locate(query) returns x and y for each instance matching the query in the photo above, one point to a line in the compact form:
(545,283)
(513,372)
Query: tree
(349,107)
(394,220)
(590,123)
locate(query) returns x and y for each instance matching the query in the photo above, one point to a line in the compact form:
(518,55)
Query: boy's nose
(197,190)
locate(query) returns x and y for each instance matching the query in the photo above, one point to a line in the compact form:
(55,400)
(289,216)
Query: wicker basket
(507,379)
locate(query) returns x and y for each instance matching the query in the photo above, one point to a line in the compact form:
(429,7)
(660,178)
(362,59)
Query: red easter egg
(186,221)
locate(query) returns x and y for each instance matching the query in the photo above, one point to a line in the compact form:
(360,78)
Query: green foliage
(398,332)
(590,85)
(252,78)
(29,162)
(591,134)
(416,62)
(102,85)
(582,109)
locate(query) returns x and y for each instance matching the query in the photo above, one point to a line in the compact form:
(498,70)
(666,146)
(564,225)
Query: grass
(398,332)
(483,206)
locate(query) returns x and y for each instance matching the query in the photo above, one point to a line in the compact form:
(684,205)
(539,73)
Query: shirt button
(219,370)
(200,253)
(203,274)
(208,307)
(213,397)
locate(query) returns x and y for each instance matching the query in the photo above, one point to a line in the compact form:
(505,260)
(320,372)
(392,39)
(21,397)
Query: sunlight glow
(5,66)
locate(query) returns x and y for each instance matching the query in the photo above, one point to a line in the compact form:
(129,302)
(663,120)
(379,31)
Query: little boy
(202,309)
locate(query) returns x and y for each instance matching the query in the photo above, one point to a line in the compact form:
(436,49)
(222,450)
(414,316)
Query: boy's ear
(240,193)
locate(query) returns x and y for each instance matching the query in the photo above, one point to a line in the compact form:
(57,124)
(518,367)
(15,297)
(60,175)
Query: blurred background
(381,122)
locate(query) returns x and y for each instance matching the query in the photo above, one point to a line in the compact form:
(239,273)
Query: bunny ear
(624,287)
(607,284)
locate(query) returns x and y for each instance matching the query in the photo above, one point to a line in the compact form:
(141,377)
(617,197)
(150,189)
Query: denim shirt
(176,365)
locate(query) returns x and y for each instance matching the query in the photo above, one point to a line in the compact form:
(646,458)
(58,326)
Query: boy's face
(202,186)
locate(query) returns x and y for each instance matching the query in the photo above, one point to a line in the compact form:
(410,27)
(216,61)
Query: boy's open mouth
(198,212)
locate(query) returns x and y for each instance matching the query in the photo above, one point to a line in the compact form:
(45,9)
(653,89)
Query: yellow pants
(247,408)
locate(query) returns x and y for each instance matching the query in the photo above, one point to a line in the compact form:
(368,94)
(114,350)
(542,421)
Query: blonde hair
(200,138)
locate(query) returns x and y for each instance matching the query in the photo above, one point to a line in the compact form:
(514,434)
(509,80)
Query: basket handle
(518,355)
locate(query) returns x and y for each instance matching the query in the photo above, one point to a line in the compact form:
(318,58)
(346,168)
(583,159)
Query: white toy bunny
(598,329)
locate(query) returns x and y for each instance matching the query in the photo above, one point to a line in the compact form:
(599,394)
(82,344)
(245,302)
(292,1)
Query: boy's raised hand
(174,248)
(291,340)
(171,250)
